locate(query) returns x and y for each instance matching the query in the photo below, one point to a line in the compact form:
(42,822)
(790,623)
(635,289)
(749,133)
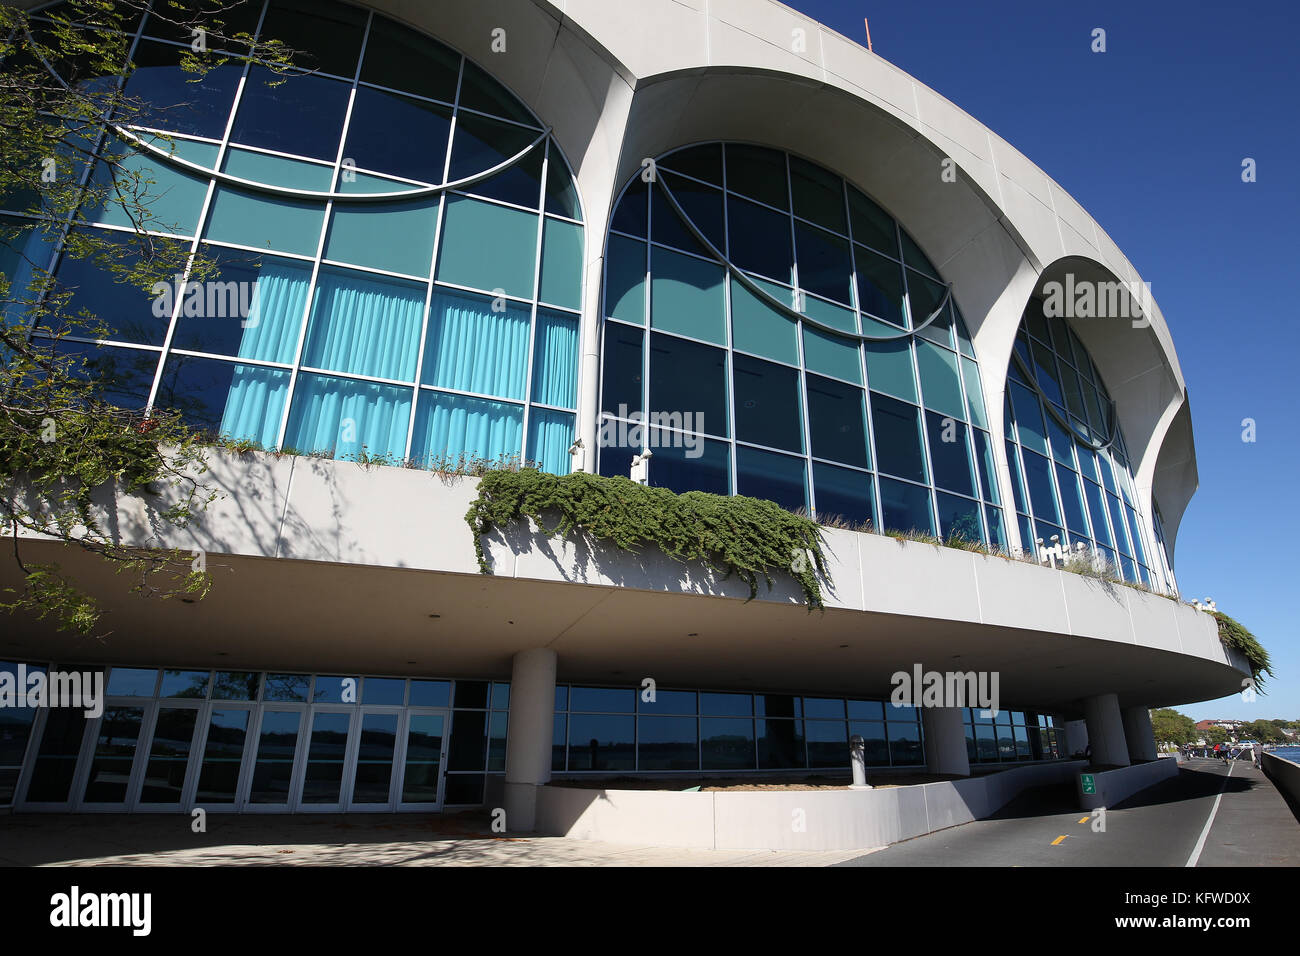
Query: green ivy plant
(1233,634)
(747,537)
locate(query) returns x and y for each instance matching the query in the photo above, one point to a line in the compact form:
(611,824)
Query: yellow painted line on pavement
(1085,819)
(1057,841)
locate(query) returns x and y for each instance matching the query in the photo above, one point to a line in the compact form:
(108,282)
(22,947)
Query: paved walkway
(463,839)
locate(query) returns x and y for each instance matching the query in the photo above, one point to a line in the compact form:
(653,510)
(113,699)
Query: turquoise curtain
(555,363)
(473,349)
(448,427)
(550,434)
(255,404)
(271,331)
(365,325)
(345,416)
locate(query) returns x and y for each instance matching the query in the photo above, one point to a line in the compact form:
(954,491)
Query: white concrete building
(841,285)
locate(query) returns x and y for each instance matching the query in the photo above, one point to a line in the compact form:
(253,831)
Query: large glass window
(805,275)
(405,324)
(1064,440)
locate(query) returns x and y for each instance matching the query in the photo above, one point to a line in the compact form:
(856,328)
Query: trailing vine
(1233,634)
(747,537)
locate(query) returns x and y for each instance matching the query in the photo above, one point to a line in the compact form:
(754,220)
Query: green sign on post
(1089,785)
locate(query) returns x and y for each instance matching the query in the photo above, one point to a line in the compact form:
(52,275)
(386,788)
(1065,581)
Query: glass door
(373,779)
(221,757)
(423,760)
(61,731)
(171,752)
(109,778)
(273,766)
(327,753)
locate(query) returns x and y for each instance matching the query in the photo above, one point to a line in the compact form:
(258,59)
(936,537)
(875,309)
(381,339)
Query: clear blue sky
(1149,137)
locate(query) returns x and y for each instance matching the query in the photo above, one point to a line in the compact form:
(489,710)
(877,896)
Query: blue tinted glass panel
(768,409)
(472,347)
(726,743)
(880,286)
(1029,418)
(1071,501)
(759,173)
(366,325)
(889,368)
(453,429)
(418,150)
(974,393)
(959,518)
(831,355)
(550,434)
(625,269)
(347,417)
(562,264)
(775,477)
(256,309)
(121,311)
(488,247)
(757,327)
(759,240)
(949,454)
(609,700)
(278,171)
(481,144)
(988,476)
(240,402)
(400,58)
(264,222)
(153,195)
(555,362)
(123,376)
(688,378)
(904,507)
(602,743)
(175,103)
(898,438)
(667,743)
(298,114)
(872,225)
(622,371)
(837,422)
(131,682)
(825,267)
(940,384)
(689,464)
(384,690)
(393,236)
(844,493)
(702,204)
(818,195)
(686,296)
(1038,475)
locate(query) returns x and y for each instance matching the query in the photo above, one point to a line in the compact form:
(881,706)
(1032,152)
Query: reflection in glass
(169,754)
(222,756)
(110,772)
(277,744)
(423,758)
(56,761)
(323,781)
(726,743)
(375,758)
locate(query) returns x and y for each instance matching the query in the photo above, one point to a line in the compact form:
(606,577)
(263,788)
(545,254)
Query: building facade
(562,234)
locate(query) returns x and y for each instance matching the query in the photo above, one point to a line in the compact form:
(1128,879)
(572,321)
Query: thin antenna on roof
(868,25)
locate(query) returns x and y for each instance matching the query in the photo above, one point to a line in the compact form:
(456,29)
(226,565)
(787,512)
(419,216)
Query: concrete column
(528,739)
(1106,730)
(1139,736)
(945,740)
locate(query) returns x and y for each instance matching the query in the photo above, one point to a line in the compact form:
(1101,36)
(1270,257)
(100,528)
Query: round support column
(945,741)
(528,738)
(1138,734)
(1106,730)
